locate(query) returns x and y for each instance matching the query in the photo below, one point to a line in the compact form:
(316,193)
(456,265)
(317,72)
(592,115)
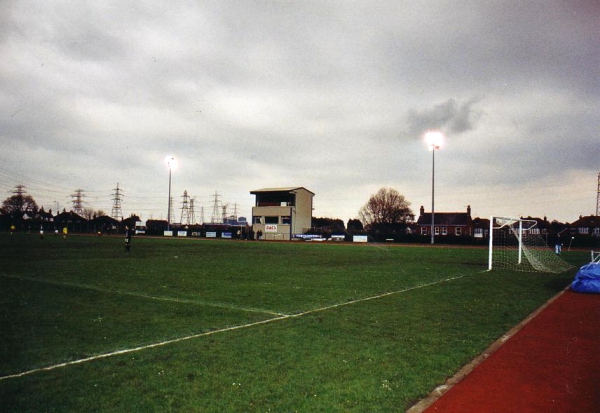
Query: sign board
(168,233)
(306,236)
(270,228)
(359,238)
(226,235)
(211,234)
(182,233)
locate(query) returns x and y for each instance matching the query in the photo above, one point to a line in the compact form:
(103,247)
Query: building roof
(591,221)
(285,189)
(445,218)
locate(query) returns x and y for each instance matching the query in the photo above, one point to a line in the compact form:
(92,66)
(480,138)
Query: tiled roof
(445,218)
(592,221)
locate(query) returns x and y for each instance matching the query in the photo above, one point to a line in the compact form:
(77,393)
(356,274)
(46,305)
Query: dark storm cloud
(450,117)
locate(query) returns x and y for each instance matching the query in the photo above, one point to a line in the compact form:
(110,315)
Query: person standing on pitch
(128,235)
(558,244)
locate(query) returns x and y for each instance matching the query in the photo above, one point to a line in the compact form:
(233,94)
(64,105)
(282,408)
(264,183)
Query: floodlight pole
(170,160)
(433,195)
(169,205)
(434,141)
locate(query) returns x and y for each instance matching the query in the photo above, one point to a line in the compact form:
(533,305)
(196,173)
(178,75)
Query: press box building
(281,213)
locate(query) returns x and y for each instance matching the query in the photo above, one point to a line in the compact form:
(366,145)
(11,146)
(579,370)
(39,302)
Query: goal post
(517,244)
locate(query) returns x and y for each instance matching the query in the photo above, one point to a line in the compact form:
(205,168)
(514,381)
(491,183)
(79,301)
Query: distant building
(541,227)
(587,227)
(105,224)
(481,228)
(446,223)
(282,213)
(72,221)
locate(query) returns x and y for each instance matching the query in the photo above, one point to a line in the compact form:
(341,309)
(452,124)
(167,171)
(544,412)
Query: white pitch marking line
(416,287)
(150,297)
(222,330)
(135,349)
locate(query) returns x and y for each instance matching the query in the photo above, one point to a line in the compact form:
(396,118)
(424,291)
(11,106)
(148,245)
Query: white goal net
(517,244)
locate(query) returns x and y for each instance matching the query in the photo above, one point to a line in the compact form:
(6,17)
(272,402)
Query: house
(481,228)
(446,223)
(542,226)
(586,227)
(70,220)
(105,224)
(282,213)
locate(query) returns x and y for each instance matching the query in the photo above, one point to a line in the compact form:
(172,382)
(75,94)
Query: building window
(286,220)
(437,230)
(597,232)
(257,220)
(271,220)
(583,230)
(423,230)
(459,230)
(444,230)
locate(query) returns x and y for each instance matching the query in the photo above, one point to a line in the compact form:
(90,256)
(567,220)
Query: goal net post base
(517,244)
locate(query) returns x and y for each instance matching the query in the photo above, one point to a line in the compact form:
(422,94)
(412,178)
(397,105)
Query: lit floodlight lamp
(171,162)
(434,139)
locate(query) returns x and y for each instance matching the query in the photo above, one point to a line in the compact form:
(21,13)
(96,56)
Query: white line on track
(224,330)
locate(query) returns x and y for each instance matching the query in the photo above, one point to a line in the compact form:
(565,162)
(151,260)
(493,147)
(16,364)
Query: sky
(333,96)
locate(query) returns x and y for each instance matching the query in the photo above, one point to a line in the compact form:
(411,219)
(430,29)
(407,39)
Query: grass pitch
(232,326)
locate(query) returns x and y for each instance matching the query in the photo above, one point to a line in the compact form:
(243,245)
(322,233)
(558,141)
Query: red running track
(552,364)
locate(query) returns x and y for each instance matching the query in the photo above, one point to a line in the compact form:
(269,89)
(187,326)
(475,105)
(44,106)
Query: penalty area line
(224,330)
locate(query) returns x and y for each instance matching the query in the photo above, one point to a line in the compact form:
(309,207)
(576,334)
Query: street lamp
(172,164)
(434,141)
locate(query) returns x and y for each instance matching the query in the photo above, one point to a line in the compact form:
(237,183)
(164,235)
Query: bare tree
(19,203)
(387,207)
(87,213)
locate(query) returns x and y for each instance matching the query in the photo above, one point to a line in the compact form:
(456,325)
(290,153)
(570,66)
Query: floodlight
(171,162)
(434,139)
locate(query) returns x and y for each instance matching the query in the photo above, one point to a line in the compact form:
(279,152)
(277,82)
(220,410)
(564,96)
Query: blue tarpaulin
(587,279)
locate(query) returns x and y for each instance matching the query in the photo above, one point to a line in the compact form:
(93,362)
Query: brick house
(586,227)
(446,223)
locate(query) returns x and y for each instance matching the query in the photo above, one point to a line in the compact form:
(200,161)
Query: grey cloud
(327,95)
(450,116)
